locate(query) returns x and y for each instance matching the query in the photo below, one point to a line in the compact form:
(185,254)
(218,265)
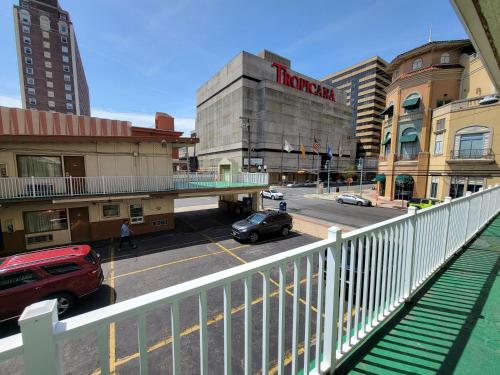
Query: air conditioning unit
(490,99)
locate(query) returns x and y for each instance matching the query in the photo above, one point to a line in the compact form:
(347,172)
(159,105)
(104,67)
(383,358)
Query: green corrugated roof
(412,103)
(408,138)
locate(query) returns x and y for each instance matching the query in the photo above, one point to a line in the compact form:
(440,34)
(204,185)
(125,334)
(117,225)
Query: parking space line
(112,326)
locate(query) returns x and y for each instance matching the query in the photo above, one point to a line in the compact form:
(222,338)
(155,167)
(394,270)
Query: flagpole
(282,147)
(298,159)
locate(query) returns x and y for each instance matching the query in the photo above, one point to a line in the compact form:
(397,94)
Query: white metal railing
(362,278)
(40,187)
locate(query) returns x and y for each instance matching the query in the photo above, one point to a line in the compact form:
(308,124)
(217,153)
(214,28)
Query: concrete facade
(246,94)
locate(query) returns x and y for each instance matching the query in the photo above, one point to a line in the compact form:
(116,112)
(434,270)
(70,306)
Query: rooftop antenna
(430,33)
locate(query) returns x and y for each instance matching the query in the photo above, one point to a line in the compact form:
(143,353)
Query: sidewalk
(315,227)
(377,200)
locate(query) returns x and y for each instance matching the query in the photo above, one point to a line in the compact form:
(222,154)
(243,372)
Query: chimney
(164,121)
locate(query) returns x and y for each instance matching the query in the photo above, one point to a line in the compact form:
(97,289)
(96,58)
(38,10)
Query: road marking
(112,326)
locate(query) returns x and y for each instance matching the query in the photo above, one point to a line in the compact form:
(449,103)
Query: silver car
(353,199)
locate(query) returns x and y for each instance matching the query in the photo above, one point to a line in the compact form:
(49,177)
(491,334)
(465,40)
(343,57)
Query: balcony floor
(453,325)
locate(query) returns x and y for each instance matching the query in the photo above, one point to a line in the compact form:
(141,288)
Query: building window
(48,74)
(63,28)
(66,68)
(64,49)
(45,221)
(46,44)
(136,214)
(440,124)
(111,210)
(52,103)
(48,64)
(434,186)
(438,144)
(29,71)
(27,40)
(39,166)
(46,54)
(25,16)
(445,58)
(28,60)
(409,143)
(412,103)
(64,40)
(50,84)
(45,34)
(28,51)
(67,78)
(471,146)
(69,97)
(32,101)
(62,16)
(65,58)
(457,187)
(50,94)
(417,64)
(474,184)
(30,81)
(69,106)
(31,90)
(44,23)
(67,87)
(25,4)
(26,29)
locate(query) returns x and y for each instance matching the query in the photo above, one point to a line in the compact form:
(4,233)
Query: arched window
(25,17)
(63,27)
(387,144)
(44,23)
(412,103)
(409,144)
(417,64)
(472,142)
(445,58)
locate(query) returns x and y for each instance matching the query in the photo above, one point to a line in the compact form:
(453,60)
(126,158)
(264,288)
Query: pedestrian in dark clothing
(125,233)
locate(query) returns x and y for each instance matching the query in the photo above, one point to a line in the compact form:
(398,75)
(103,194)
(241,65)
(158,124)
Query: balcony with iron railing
(484,155)
(411,116)
(343,290)
(12,188)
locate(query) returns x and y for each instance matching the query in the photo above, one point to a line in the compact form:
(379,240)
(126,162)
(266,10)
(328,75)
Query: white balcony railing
(363,276)
(43,187)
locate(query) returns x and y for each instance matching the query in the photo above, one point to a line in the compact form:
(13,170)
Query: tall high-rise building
(364,85)
(51,72)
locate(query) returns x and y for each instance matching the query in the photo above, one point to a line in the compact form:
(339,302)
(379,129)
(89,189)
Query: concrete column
(256,202)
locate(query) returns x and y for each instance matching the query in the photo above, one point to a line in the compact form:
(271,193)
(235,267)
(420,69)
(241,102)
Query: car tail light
(92,257)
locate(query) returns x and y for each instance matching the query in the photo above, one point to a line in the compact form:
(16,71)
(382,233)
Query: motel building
(255,105)
(69,179)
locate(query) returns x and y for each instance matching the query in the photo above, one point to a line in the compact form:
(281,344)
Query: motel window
(27,50)
(26,29)
(50,84)
(29,71)
(50,94)
(434,186)
(65,58)
(48,74)
(69,106)
(32,101)
(46,45)
(28,60)
(46,54)
(31,90)
(63,27)
(66,68)
(445,58)
(111,210)
(69,97)
(417,64)
(25,17)
(64,40)
(45,221)
(67,87)
(136,214)
(64,49)
(67,78)
(474,184)
(30,81)
(27,40)
(39,166)
(438,144)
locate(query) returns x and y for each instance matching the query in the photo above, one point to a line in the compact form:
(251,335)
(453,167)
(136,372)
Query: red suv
(64,273)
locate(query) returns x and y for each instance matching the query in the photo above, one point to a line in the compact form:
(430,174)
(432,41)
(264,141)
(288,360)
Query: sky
(142,57)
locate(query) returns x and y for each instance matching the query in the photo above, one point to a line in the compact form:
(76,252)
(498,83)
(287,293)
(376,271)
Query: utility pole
(282,147)
(328,162)
(360,166)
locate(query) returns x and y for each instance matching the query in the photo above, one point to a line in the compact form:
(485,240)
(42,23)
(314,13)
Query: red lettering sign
(301,84)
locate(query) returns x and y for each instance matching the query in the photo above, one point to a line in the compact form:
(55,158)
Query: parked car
(65,274)
(272,194)
(422,202)
(353,199)
(261,224)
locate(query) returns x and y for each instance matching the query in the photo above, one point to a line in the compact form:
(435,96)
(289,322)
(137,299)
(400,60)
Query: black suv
(261,224)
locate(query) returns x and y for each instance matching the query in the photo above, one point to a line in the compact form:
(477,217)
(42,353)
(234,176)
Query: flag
(288,147)
(329,152)
(303,150)
(316,146)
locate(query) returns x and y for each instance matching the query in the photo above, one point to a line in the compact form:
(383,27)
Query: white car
(272,194)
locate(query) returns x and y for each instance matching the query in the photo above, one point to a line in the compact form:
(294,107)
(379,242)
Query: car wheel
(285,231)
(360,204)
(273,197)
(340,201)
(65,302)
(254,237)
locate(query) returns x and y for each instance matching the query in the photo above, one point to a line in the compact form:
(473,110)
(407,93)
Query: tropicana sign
(284,78)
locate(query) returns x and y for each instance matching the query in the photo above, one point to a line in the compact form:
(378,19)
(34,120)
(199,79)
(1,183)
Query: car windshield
(256,218)
(274,191)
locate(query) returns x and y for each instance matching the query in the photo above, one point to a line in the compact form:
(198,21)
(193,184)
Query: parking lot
(200,245)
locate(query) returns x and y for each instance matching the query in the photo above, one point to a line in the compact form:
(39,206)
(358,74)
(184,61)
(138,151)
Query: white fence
(362,277)
(41,187)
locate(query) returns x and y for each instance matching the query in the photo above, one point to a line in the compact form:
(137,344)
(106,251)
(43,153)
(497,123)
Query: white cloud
(10,101)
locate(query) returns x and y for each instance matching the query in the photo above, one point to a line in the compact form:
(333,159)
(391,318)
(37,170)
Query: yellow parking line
(112,326)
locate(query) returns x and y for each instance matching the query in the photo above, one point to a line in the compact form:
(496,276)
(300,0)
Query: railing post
(410,256)
(103,185)
(40,351)
(70,185)
(33,186)
(481,197)
(447,202)
(332,293)
(467,214)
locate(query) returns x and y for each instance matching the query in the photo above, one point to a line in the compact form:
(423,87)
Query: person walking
(125,233)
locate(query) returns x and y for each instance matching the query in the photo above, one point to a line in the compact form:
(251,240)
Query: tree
(350,172)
